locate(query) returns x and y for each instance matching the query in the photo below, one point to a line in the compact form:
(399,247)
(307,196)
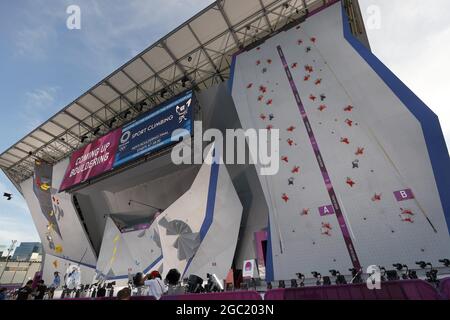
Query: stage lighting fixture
(111,123)
(195,284)
(326,281)
(412,274)
(184,81)
(445,262)
(356,276)
(398,266)
(96,131)
(432,276)
(281,284)
(286,5)
(214,284)
(383,274)
(189,59)
(301,277)
(8,196)
(126,113)
(392,275)
(83,138)
(294,283)
(340,279)
(318,276)
(422,264)
(163,93)
(142,105)
(334,273)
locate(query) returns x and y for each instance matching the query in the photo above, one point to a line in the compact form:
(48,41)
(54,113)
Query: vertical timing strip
(323,169)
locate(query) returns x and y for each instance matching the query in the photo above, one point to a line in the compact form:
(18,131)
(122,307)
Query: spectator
(40,290)
(124,294)
(156,286)
(3,294)
(55,285)
(138,282)
(173,282)
(25,292)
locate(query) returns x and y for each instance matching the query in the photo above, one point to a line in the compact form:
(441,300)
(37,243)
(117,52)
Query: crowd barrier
(235,295)
(445,288)
(396,290)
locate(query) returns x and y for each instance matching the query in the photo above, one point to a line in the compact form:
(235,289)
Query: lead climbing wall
(355,186)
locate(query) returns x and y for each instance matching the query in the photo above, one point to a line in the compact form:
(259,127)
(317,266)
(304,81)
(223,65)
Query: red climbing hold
(313,40)
(408,219)
(348,109)
(312,97)
(318,81)
(285,197)
(263,89)
(249,85)
(294,65)
(269,102)
(269,127)
(359,152)
(258,62)
(296,169)
(345,140)
(309,69)
(291,129)
(285,159)
(269,61)
(350,182)
(407,212)
(263,116)
(322,107)
(290,142)
(304,212)
(349,122)
(300,41)
(376,197)
(326,229)
(306,78)
(260,98)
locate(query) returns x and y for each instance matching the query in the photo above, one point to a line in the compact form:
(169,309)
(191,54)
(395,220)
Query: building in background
(26,250)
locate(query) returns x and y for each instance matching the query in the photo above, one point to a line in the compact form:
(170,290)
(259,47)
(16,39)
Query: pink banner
(92,160)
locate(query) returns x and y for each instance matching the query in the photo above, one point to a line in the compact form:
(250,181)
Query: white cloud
(414,42)
(39,104)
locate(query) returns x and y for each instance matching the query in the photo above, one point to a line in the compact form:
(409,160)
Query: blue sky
(44,66)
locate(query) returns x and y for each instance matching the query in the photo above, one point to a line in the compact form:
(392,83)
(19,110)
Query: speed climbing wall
(356,185)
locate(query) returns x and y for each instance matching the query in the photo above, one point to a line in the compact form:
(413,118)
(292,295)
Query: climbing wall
(355,185)
(124,253)
(55,217)
(199,231)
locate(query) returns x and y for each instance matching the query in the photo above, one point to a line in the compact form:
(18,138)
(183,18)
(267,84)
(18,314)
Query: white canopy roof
(197,54)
